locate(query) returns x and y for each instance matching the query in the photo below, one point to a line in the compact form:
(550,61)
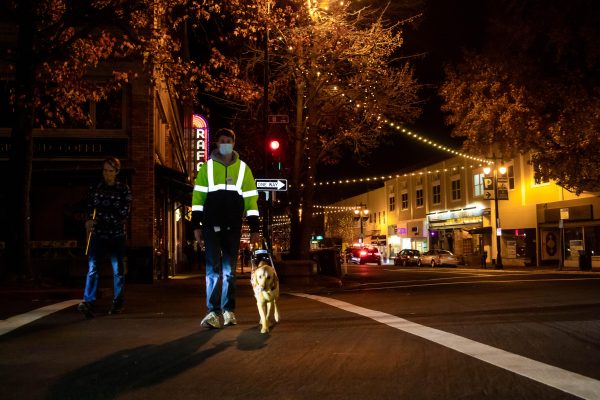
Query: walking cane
(89,238)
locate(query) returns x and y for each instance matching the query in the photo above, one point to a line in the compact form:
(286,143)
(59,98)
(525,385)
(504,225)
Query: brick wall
(142,161)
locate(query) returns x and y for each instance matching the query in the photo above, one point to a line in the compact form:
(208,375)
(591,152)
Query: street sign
(502,191)
(488,187)
(278,185)
(279,119)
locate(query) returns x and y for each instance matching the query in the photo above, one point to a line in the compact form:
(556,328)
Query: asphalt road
(387,333)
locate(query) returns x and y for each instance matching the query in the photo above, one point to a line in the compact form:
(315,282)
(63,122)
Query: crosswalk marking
(566,381)
(18,321)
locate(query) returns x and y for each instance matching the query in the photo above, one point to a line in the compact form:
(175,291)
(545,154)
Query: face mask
(225,148)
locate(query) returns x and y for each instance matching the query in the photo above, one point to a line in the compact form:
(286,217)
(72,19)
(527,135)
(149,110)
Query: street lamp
(361,212)
(502,170)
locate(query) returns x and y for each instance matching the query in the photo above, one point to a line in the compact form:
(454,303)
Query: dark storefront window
(592,240)
(519,243)
(109,112)
(574,242)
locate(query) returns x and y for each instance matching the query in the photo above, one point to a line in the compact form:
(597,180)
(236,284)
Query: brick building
(151,132)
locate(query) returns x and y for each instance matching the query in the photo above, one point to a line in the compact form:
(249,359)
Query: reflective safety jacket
(222,193)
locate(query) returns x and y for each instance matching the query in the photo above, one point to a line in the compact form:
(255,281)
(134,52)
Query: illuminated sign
(200,140)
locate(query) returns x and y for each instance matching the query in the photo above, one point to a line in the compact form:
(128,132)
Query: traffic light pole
(267,217)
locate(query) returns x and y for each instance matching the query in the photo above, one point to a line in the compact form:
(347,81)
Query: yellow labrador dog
(266,291)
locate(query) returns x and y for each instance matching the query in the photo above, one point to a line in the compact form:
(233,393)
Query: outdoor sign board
(277,185)
(279,119)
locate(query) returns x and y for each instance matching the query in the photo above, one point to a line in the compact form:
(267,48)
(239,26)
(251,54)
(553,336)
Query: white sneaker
(229,318)
(211,321)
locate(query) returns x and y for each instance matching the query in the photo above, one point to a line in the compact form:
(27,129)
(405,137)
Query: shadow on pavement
(251,339)
(136,368)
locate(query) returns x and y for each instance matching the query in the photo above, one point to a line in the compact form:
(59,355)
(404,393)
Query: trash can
(328,261)
(585,260)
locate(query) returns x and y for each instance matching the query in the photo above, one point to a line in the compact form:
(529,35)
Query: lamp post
(502,170)
(361,212)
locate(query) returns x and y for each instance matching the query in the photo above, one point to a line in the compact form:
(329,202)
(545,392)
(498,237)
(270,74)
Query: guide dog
(265,284)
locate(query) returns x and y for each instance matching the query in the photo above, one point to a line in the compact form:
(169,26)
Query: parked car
(363,255)
(406,257)
(437,257)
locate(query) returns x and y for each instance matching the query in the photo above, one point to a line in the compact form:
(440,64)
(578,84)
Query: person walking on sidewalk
(224,190)
(109,203)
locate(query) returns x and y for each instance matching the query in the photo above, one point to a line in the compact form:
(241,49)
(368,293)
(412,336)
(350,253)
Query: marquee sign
(200,140)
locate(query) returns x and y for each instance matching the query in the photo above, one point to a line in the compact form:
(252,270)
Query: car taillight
(363,253)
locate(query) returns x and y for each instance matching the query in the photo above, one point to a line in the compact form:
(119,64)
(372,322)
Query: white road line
(566,381)
(17,321)
(463,283)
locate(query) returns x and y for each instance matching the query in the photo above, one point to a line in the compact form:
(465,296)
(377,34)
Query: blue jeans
(114,248)
(221,260)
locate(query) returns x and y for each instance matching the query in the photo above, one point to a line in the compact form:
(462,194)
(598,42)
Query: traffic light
(275,148)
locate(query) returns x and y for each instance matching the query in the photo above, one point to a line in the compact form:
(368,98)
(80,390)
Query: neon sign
(200,140)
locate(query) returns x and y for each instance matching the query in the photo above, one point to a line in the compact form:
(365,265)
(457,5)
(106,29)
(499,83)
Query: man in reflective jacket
(223,192)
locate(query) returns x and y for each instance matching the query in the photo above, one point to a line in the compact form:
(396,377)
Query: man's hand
(255,240)
(198,235)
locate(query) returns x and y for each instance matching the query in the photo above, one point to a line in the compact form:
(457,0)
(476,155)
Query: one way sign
(277,185)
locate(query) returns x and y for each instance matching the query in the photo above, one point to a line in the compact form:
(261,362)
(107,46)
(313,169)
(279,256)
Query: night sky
(444,30)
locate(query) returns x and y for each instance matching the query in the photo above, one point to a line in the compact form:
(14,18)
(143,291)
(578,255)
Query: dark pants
(114,248)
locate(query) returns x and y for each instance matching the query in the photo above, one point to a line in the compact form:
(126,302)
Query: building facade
(450,205)
(150,131)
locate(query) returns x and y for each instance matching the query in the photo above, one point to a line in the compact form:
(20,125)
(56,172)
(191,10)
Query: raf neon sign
(200,140)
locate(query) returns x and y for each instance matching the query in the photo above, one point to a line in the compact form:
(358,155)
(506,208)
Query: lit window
(478,184)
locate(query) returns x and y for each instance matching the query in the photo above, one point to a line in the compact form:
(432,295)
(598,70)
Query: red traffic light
(274,144)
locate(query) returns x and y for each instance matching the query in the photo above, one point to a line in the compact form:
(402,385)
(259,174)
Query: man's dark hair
(225,132)
(113,162)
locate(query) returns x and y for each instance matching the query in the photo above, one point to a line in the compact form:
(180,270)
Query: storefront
(459,231)
(567,230)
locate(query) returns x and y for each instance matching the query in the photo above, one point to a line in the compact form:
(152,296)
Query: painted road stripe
(361,286)
(18,321)
(566,381)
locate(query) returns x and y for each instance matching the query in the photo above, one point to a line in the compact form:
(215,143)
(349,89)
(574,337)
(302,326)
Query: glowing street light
(361,212)
(502,171)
